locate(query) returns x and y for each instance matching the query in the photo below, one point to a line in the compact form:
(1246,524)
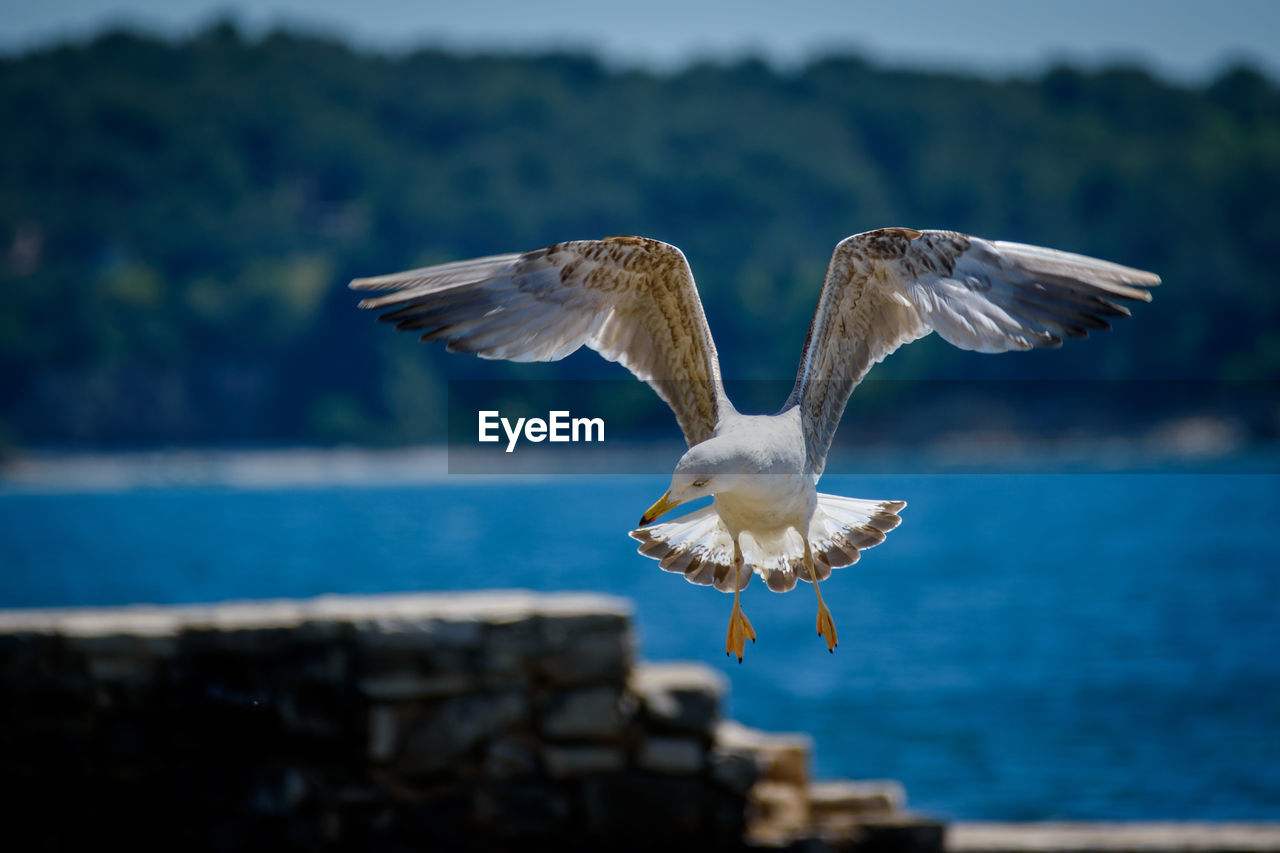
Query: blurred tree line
(178,219)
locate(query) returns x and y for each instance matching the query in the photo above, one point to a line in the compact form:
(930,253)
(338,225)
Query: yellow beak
(664,503)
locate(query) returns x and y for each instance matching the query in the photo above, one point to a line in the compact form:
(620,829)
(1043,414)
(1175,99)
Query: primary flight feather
(633,300)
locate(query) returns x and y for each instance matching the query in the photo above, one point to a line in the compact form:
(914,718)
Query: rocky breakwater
(489,721)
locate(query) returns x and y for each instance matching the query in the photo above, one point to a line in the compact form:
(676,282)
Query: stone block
(428,622)
(511,756)
(597,657)
(122,668)
(1173,836)
(896,834)
(28,657)
(384,723)
(521,811)
(591,609)
(679,696)
(571,761)
(313,711)
(735,771)
(513,647)
(392,674)
(596,713)
(779,757)
(100,626)
(585,639)
(156,646)
(253,628)
(841,800)
(453,726)
(468,620)
(676,755)
(405,685)
(412,634)
(776,813)
(313,664)
(646,806)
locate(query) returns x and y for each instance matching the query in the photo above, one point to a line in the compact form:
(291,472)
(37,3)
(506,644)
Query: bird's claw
(740,631)
(827,627)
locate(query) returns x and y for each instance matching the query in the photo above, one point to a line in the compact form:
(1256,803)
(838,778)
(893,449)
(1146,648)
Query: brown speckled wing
(889,287)
(631,299)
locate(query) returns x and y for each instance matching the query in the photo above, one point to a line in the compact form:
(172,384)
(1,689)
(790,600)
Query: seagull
(633,300)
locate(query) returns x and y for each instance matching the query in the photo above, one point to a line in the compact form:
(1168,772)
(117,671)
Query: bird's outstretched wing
(630,299)
(889,287)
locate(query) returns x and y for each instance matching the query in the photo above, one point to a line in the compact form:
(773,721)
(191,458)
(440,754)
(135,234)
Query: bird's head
(706,469)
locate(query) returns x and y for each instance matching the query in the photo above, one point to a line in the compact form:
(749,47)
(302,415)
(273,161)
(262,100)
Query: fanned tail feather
(778,558)
(844,527)
(699,546)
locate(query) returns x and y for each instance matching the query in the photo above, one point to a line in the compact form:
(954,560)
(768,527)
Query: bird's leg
(826,626)
(740,629)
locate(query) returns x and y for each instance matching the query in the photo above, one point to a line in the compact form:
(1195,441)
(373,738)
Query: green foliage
(177,220)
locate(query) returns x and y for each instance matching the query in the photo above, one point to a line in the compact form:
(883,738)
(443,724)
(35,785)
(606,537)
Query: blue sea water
(1078,646)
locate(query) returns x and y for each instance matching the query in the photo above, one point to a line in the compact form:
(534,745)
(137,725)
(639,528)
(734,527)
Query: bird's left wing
(630,299)
(889,287)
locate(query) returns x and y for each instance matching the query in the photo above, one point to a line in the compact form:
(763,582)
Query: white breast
(774,491)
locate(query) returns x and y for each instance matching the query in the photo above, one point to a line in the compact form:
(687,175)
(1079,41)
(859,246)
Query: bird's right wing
(630,299)
(889,287)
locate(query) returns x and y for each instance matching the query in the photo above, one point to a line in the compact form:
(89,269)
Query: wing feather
(631,299)
(889,287)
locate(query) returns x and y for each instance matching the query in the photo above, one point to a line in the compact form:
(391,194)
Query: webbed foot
(740,631)
(826,627)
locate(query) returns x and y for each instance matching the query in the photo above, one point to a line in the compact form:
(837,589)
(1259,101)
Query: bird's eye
(698,484)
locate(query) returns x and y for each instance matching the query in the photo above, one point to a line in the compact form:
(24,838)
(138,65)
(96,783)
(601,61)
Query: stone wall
(484,721)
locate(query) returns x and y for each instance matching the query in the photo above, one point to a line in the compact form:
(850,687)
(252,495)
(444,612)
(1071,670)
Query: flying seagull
(633,300)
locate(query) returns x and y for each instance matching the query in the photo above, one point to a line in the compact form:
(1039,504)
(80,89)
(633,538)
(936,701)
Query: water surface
(1085,646)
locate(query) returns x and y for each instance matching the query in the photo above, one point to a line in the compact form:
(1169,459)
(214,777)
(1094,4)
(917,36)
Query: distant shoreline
(1193,446)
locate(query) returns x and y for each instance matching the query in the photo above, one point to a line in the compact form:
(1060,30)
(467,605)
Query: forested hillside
(178,220)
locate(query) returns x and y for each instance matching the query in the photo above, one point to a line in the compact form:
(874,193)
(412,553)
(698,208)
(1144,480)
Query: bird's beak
(664,503)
